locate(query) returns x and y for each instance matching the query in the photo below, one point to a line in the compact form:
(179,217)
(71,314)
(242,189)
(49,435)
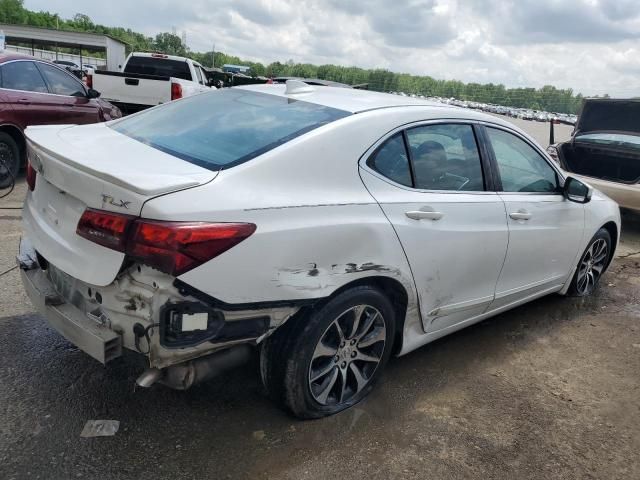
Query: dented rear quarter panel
(318,228)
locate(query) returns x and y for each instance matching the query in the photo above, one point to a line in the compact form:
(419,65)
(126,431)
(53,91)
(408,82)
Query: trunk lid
(609,115)
(93,166)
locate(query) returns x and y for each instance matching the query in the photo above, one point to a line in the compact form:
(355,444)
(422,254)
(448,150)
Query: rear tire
(592,265)
(10,156)
(329,359)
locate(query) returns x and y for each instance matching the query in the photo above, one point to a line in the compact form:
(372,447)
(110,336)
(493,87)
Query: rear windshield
(225,127)
(162,67)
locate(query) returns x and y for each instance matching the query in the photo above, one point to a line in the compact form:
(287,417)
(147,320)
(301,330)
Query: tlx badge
(116,203)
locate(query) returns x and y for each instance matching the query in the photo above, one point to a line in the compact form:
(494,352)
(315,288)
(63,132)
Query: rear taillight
(105,228)
(177,247)
(176,91)
(171,247)
(32,173)
(89,81)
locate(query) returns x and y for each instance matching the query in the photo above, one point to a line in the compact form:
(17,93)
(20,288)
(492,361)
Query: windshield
(611,139)
(223,128)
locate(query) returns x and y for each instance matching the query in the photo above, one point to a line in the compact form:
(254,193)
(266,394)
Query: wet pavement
(548,390)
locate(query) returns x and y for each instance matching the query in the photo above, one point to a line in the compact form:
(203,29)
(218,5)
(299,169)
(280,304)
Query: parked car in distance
(72,67)
(89,68)
(149,79)
(329,227)
(604,149)
(36,92)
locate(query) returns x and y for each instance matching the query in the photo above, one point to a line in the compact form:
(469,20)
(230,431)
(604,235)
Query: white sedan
(331,228)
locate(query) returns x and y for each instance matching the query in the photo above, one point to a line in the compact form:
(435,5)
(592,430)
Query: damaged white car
(329,228)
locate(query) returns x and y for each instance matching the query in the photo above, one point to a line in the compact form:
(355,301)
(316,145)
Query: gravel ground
(548,390)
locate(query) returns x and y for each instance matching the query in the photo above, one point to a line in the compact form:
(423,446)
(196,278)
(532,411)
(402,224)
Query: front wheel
(329,359)
(592,265)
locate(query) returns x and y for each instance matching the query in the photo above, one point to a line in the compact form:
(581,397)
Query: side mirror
(576,191)
(91,93)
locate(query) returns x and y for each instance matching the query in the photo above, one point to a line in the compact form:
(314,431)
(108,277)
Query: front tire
(592,264)
(329,359)
(10,156)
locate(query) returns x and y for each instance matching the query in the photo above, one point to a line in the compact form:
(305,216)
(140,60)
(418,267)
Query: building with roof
(49,39)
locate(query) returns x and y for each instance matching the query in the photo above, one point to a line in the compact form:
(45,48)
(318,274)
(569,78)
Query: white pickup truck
(149,79)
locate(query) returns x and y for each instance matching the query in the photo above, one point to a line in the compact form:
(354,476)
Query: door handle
(520,215)
(24,101)
(424,215)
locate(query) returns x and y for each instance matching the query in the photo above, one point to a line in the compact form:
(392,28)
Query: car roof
(312,81)
(348,99)
(9,56)
(162,56)
(358,101)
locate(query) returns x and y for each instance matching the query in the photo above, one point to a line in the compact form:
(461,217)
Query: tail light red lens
(176,91)
(105,228)
(89,81)
(171,247)
(177,247)
(32,173)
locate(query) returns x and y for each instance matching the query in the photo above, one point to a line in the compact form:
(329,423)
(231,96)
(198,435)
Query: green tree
(548,97)
(82,21)
(170,44)
(12,11)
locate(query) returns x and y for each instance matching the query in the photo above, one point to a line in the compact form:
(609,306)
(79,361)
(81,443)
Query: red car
(37,92)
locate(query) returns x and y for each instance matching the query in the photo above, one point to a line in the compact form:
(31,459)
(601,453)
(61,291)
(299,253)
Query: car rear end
(77,264)
(107,277)
(605,149)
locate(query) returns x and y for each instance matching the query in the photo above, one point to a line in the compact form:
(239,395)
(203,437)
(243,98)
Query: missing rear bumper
(101,343)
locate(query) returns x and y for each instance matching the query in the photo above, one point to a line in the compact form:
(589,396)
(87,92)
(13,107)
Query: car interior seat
(430,163)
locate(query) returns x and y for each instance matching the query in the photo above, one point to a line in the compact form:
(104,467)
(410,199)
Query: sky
(592,46)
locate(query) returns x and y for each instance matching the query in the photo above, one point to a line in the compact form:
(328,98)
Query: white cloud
(591,46)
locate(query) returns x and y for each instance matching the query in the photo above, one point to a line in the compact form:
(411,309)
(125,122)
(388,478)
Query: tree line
(547,98)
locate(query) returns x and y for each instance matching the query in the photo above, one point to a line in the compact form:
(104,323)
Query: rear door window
(161,67)
(445,157)
(23,75)
(224,128)
(391,160)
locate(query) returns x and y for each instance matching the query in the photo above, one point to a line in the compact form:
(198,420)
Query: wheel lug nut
(344,364)
(342,345)
(353,342)
(353,354)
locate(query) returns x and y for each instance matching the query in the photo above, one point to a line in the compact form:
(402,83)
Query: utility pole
(213,56)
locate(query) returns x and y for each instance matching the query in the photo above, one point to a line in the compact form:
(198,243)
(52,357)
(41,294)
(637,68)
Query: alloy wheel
(6,155)
(591,266)
(347,355)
